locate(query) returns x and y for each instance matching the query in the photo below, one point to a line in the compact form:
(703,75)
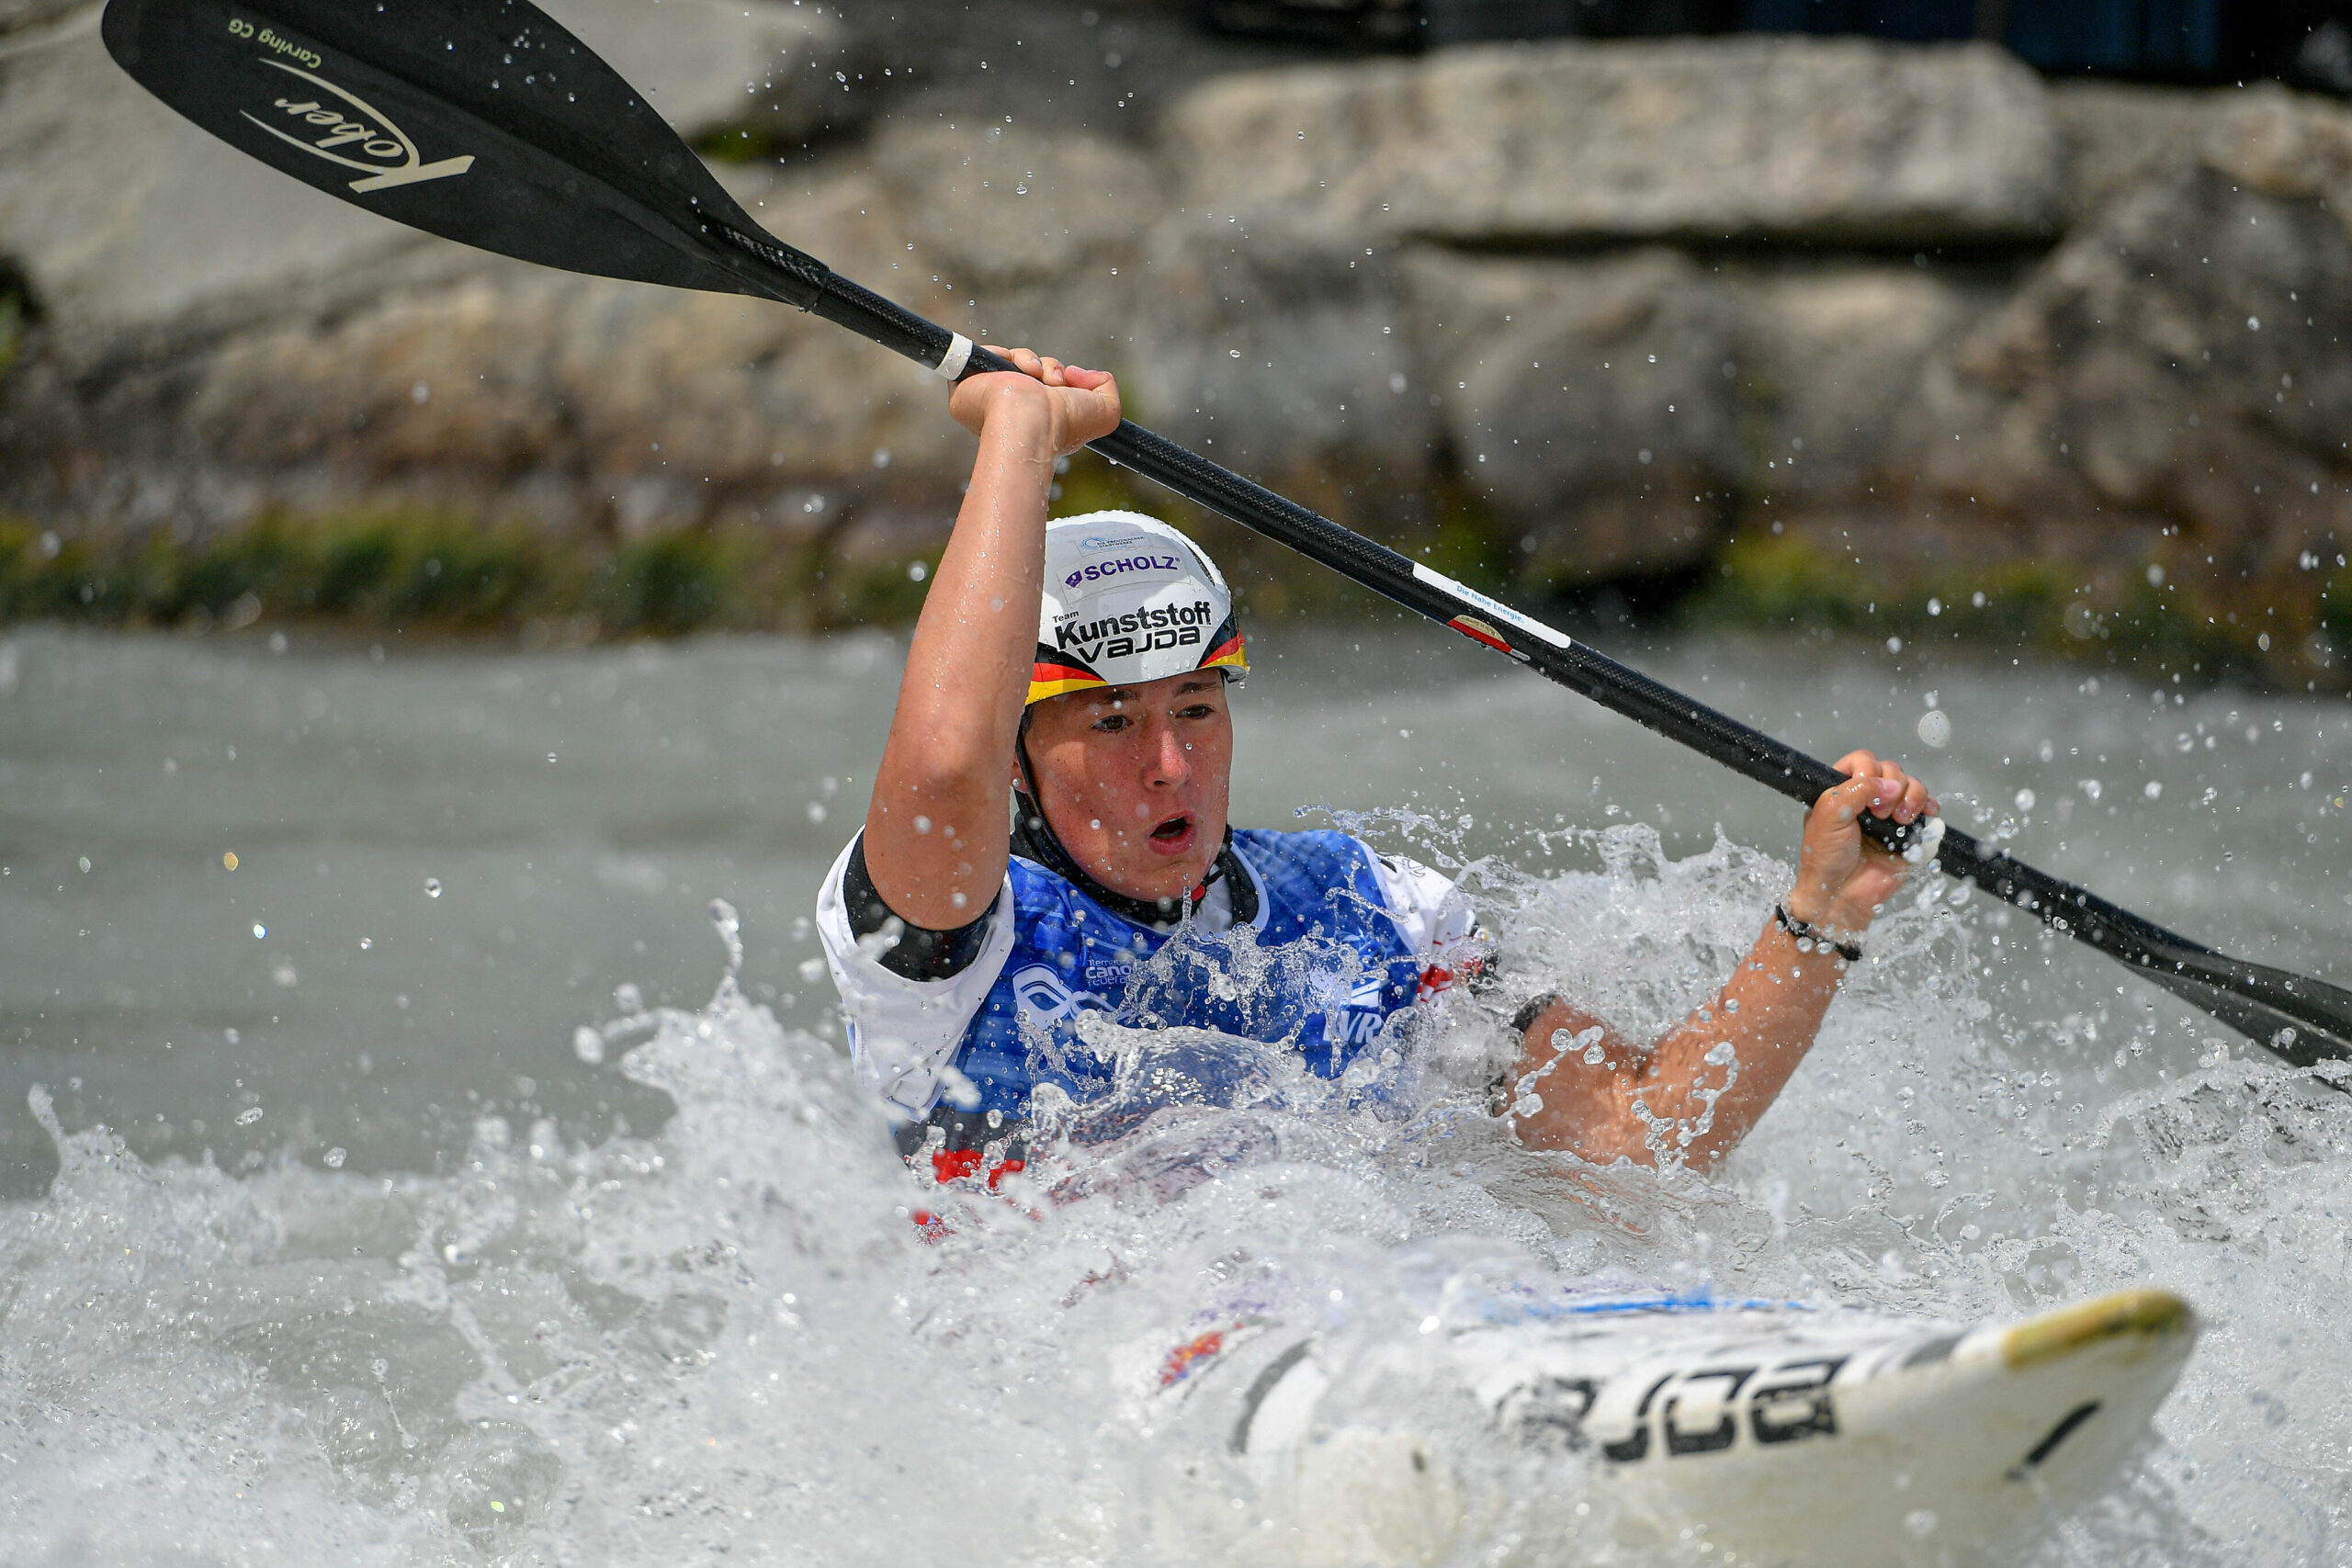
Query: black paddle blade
(479,121)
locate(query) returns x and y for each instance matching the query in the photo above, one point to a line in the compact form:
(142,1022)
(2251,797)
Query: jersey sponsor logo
(1357,1018)
(334,123)
(1102,569)
(1094,543)
(1138,631)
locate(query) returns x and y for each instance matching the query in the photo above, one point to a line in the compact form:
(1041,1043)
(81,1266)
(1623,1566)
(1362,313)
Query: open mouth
(1172,833)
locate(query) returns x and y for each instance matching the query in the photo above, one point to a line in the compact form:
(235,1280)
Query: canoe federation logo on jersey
(1102,570)
(338,125)
(1043,999)
(1095,544)
(1097,638)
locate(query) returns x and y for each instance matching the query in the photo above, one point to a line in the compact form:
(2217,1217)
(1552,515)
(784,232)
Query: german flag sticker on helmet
(1128,599)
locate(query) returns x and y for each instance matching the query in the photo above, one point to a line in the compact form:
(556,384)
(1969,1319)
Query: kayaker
(1084,662)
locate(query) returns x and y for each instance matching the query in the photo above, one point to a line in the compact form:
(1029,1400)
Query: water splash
(735,1334)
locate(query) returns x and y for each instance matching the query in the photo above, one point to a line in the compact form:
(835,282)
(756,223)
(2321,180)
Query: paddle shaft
(485,122)
(2271,1007)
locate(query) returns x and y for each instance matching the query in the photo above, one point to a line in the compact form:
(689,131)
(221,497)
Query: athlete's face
(1135,779)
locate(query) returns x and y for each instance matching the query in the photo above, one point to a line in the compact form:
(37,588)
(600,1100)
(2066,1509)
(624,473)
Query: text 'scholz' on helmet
(1128,599)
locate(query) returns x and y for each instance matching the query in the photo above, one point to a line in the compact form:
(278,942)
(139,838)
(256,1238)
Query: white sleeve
(902,1033)
(1431,913)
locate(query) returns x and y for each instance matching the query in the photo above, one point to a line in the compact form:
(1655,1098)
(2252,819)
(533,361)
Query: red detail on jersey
(956,1164)
(1185,1356)
(1437,977)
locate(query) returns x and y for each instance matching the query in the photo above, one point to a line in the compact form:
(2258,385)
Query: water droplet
(336,1158)
(433,887)
(587,1044)
(816,811)
(2025,800)
(260,932)
(84,863)
(627,998)
(730,926)
(1920,1523)
(2154,789)
(1934,728)
(228,860)
(248,1116)
(1235,353)
(917,571)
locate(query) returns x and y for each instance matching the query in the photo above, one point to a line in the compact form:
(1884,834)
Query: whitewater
(474,1173)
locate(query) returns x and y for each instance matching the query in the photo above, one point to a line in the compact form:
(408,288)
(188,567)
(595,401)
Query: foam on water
(736,1338)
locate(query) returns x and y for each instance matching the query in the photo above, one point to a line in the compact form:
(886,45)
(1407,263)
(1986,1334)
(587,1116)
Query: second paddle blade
(483,122)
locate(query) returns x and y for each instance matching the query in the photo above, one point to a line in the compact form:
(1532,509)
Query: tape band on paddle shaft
(558,160)
(951,364)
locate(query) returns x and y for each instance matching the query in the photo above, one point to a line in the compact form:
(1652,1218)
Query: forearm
(1696,1091)
(935,830)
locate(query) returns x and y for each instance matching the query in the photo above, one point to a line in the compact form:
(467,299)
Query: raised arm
(1694,1093)
(936,833)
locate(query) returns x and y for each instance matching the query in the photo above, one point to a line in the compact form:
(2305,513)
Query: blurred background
(2013,317)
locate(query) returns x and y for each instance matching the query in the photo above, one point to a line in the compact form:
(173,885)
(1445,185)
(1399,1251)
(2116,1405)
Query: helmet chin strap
(1034,839)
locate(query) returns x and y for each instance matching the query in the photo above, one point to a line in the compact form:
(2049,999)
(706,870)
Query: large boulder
(426,372)
(2178,366)
(1834,142)
(1587,404)
(494,388)
(2114,137)
(1293,366)
(1832,359)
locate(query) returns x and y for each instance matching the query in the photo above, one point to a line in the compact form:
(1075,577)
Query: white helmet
(1128,599)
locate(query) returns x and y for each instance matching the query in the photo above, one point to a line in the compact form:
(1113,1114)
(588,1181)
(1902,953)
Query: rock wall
(1606,305)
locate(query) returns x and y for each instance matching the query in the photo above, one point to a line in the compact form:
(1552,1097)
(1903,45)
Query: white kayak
(1731,1432)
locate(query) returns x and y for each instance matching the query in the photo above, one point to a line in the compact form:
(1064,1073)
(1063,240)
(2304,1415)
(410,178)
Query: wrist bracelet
(1805,931)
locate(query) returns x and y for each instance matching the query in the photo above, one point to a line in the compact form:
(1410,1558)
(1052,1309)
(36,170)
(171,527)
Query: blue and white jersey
(1342,939)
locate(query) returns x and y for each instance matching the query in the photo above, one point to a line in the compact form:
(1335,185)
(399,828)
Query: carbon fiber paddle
(484,122)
